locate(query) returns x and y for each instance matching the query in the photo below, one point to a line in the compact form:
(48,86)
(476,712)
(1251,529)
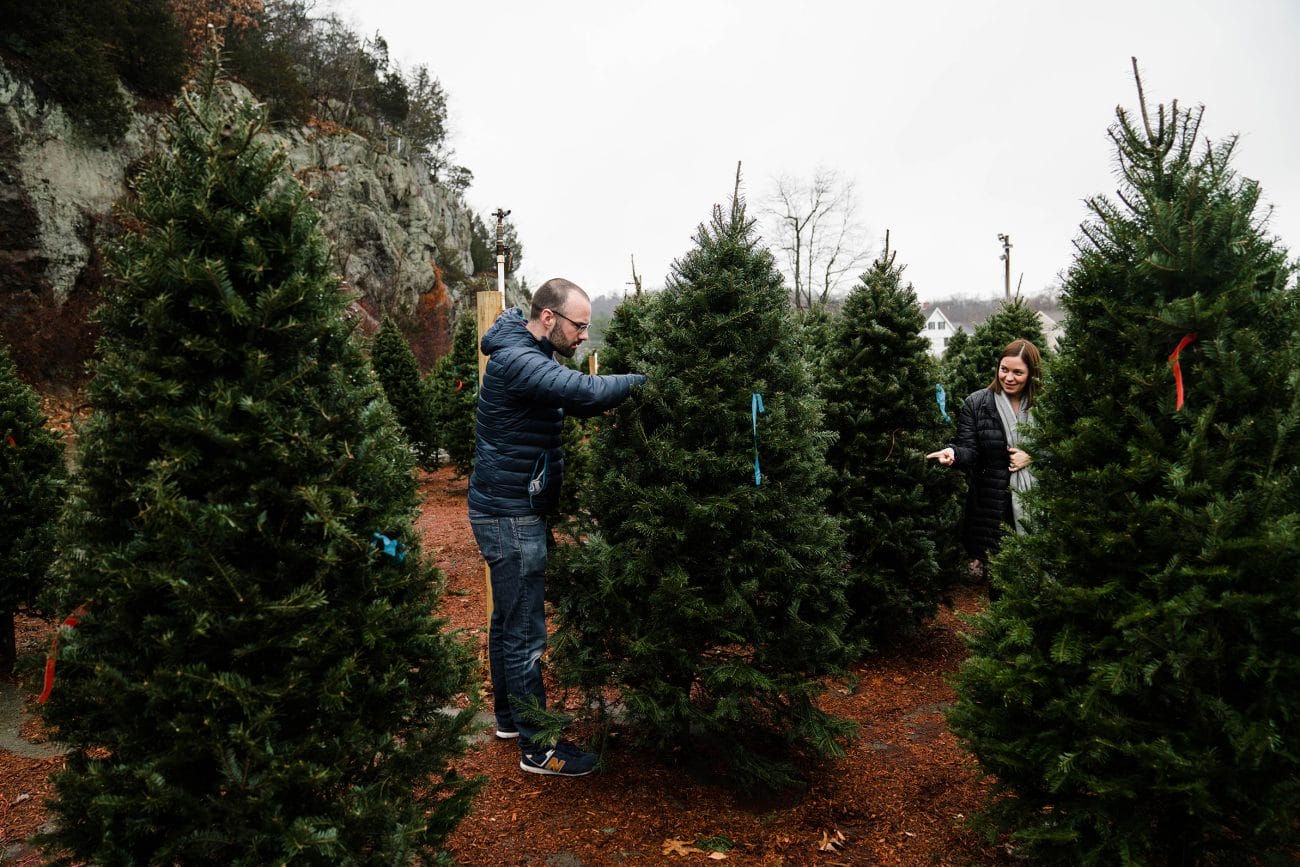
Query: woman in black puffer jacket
(987,446)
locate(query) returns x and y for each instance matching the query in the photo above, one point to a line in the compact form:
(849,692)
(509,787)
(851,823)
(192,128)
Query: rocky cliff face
(393,229)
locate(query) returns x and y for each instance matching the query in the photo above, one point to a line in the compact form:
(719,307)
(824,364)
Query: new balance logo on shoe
(563,760)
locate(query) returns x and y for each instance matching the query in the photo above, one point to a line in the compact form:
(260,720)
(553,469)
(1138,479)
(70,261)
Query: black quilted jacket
(519,459)
(981,449)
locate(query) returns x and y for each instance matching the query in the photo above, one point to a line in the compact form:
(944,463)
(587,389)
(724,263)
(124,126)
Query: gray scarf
(1021,480)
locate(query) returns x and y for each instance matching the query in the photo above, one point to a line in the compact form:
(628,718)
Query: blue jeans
(515,551)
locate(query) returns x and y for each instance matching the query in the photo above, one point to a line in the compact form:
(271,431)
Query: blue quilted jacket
(519,458)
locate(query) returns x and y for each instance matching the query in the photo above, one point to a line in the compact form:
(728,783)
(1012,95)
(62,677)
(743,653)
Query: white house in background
(1051,329)
(938,330)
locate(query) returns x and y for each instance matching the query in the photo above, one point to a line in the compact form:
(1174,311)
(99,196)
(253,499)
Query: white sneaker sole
(507,736)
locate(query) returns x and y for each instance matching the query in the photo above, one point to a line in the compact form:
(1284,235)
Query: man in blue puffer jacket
(519,464)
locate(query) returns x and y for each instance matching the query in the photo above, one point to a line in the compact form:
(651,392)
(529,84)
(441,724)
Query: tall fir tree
(399,374)
(626,342)
(712,596)
(257,674)
(1136,690)
(899,510)
(32,479)
(453,388)
(969,365)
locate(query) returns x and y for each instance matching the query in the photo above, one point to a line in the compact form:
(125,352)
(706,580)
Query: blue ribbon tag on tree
(391,547)
(755,407)
(942,397)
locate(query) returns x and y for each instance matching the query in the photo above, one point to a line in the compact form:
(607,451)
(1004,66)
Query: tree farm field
(902,795)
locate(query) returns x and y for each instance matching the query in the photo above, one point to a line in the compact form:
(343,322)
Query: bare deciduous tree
(815,230)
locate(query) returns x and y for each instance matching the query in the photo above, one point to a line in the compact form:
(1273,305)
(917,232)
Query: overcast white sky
(610,129)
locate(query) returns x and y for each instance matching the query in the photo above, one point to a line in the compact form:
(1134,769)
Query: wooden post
(489,308)
(491,305)
(593,364)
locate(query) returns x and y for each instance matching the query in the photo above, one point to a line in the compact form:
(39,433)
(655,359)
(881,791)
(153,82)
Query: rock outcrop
(393,229)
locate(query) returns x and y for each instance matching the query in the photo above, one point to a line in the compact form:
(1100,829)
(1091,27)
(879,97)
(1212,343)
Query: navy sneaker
(563,760)
(507,731)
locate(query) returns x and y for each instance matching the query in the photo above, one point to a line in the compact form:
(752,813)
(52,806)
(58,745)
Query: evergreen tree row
(453,388)
(257,671)
(435,412)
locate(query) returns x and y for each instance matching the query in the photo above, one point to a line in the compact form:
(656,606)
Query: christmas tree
(621,351)
(969,365)
(453,387)
(570,516)
(1135,691)
(257,675)
(398,373)
(31,492)
(899,511)
(945,395)
(816,329)
(712,596)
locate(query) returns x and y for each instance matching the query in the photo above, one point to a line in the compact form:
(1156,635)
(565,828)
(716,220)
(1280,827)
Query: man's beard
(557,341)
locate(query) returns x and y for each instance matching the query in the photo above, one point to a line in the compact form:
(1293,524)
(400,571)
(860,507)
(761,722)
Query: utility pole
(1006,257)
(502,253)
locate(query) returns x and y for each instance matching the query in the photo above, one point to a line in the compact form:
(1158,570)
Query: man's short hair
(552,295)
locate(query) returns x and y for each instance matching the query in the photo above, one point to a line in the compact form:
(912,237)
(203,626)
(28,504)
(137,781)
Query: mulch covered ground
(901,796)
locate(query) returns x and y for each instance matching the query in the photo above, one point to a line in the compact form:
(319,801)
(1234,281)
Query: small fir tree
(816,329)
(453,386)
(31,492)
(399,374)
(946,394)
(898,509)
(1135,691)
(257,675)
(970,365)
(712,596)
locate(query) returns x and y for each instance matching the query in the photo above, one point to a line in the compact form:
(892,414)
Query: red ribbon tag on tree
(72,620)
(1178,372)
(460,383)
(11,441)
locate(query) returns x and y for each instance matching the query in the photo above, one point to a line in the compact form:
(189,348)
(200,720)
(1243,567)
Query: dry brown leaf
(717,856)
(831,842)
(674,846)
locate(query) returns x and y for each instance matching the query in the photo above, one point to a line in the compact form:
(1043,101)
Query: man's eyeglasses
(581,326)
